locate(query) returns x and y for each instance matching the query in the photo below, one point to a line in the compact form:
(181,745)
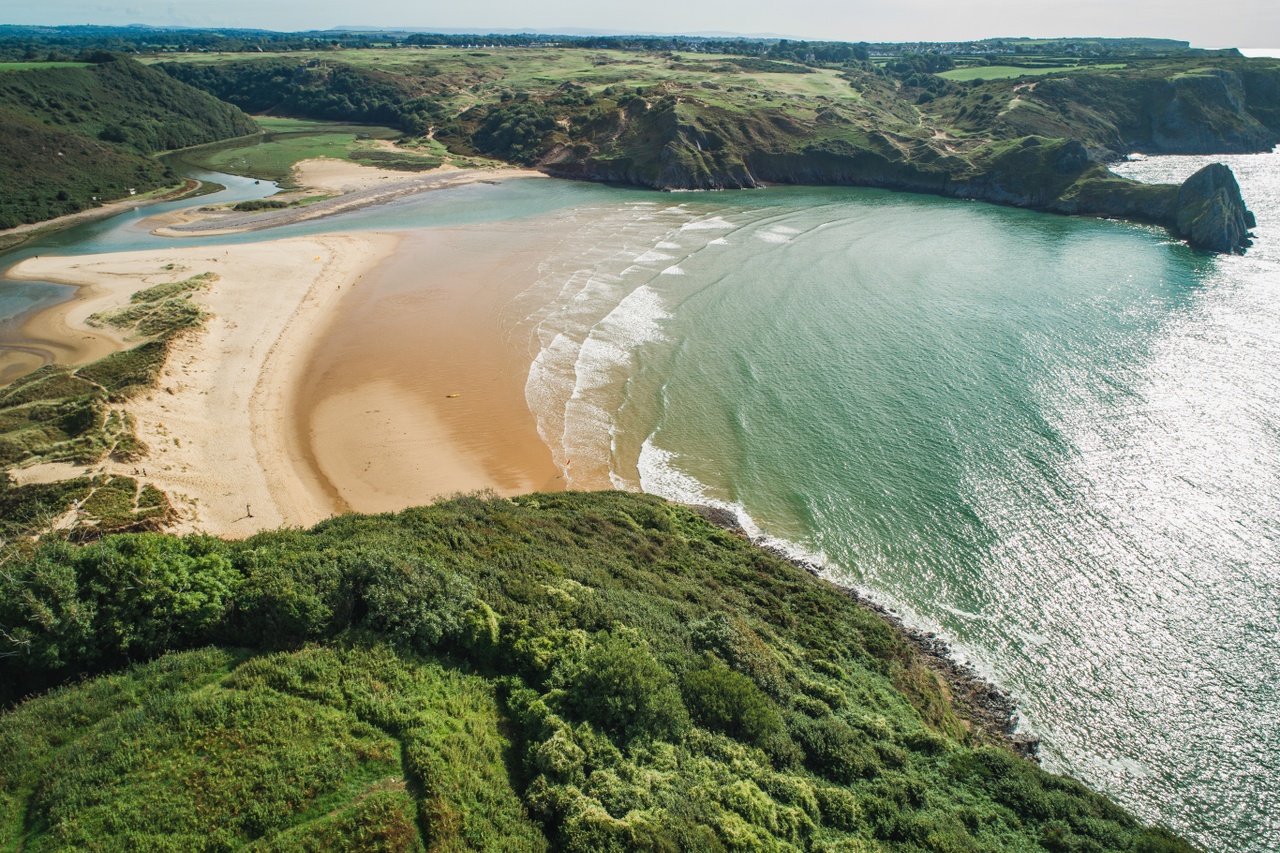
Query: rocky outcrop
(1210,212)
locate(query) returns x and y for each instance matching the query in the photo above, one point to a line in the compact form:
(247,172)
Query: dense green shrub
(517,673)
(618,686)
(726,701)
(156,592)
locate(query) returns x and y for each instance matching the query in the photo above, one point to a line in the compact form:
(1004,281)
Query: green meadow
(28,66)
(967,73)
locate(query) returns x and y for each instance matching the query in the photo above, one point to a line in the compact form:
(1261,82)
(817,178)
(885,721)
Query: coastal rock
(1072,158)
(1210,212)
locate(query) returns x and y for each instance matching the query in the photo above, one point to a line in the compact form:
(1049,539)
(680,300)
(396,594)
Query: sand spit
(353,186)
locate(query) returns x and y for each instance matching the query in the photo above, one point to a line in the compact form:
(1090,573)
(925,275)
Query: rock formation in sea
(1210,212)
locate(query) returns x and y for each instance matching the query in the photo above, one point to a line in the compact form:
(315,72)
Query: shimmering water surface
(1055,441)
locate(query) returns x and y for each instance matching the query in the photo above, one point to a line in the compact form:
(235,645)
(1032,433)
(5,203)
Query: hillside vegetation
(74,137)
(578,672)
(713,122)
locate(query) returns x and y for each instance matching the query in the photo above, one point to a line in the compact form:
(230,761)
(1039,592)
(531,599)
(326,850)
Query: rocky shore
(989,708)
(1050,175)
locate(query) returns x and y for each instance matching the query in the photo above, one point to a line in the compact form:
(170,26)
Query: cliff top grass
(578,672)
(1005,72)
(29,66)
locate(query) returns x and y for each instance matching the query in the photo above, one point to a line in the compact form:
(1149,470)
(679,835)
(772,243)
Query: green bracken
(567,671)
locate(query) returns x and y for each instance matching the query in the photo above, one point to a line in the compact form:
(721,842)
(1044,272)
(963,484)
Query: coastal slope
(568,671)
(74,138)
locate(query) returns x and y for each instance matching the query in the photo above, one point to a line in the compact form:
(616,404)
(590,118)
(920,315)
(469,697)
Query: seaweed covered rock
(1211,213)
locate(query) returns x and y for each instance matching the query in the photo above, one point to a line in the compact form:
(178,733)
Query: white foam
(770,237)
(604,359)
(652,257)
(713,223)
(665,244)
(719,241)
(673,270)
(660,476)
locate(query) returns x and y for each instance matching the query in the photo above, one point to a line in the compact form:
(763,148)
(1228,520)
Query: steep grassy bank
(74,137)
(571,671)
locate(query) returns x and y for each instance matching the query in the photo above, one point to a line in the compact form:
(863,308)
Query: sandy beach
(214,424)
(365,372)
(418,390)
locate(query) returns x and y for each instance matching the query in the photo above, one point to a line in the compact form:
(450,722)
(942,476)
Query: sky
(1242,23)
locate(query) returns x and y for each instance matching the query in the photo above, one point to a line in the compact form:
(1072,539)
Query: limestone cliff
(1210,213)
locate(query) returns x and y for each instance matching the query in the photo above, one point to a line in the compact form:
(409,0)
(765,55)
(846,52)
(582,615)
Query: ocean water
(1054,441)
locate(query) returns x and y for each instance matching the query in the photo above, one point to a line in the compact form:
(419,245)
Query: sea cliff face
(1054,175)
(1210,211)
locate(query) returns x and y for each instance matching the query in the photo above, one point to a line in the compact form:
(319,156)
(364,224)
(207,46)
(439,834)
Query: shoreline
(418,391)
(363,377)
(211,419)
(354,187)
(12,238)
(984,704)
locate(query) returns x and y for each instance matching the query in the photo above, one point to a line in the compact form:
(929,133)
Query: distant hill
(71,138)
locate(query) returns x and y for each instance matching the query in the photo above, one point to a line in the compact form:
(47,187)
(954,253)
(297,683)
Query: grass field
(28,66)
(276,124)
(532,70)
(1009,72)
(291,141)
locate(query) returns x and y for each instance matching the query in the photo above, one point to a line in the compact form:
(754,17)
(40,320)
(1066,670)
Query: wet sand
(417,389)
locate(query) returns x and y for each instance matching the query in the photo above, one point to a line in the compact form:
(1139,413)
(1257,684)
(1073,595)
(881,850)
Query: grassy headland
(702,121)
(573,671)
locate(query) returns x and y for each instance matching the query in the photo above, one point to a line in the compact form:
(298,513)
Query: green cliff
(696,122)
(578,672)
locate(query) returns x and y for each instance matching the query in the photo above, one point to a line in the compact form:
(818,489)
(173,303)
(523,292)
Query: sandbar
(351,185)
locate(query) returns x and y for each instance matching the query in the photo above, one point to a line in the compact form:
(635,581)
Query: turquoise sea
(1054,441)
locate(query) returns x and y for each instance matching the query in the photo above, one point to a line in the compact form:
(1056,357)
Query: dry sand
(216,425)
(325,380)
